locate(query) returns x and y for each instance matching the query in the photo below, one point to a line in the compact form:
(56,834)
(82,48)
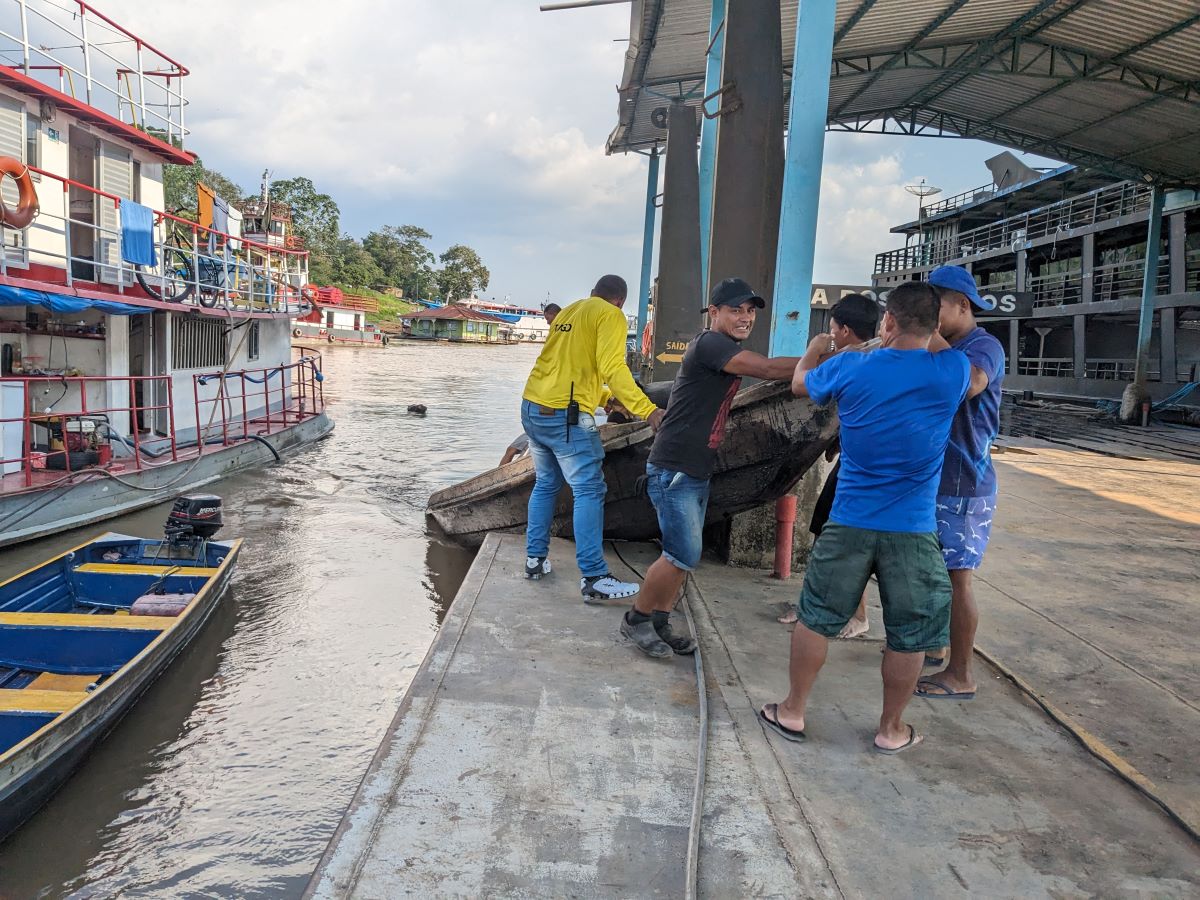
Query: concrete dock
(537,754)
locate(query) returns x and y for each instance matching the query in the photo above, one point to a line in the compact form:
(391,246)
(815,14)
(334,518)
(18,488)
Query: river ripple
(230,775)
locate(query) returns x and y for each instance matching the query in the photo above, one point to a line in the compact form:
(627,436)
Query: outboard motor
(194,517)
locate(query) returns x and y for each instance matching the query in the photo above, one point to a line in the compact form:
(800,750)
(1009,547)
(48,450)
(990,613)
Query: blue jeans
(681,502)
(575,459)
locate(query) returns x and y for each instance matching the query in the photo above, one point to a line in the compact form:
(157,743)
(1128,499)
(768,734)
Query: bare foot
(905,739)
(789,617)
(856,627)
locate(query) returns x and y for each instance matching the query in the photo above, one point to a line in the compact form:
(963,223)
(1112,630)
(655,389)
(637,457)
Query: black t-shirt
(694,425)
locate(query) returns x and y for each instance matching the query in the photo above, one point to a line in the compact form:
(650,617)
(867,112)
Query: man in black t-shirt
(685,452)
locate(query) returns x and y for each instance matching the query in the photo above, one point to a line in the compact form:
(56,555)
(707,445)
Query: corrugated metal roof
(1112,84)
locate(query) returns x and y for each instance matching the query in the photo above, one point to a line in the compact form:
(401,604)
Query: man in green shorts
(896,405)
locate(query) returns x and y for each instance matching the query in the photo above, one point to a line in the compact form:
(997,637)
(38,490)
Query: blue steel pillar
(807,114)
(1149,287)
(708,133)
(647,244)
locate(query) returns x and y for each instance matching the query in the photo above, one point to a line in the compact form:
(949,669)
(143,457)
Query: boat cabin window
(198,343)
(252,341)
(33,127)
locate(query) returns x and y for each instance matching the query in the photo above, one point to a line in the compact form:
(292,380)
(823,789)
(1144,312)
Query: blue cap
(956,278)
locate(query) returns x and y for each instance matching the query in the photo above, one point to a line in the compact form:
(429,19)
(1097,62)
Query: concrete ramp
(536,755)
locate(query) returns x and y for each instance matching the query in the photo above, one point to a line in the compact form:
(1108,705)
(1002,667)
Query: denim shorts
(681,502)
(964,526)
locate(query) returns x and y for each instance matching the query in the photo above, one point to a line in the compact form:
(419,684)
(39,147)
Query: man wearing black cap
(966,500)
(685,452)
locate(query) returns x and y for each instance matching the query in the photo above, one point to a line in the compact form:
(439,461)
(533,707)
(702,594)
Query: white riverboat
(142,354)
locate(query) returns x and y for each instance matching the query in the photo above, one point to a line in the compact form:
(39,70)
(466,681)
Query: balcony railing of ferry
(203,267)
(1050,366)
(974,195)
(1057,289)
(60,429)
(1101,205)
(1123,280)
(85,48)
(251,403)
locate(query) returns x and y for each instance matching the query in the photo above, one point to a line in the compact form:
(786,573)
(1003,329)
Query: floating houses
(460,324)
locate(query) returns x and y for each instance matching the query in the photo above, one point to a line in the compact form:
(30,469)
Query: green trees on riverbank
(393,256)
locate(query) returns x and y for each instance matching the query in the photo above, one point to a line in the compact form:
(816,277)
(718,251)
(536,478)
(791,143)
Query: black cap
(734,292)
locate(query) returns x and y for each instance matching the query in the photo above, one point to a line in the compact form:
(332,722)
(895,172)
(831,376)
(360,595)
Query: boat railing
(129,423)
(222,270)
(74,48)
(250,403)
(1012,233)
(61,417)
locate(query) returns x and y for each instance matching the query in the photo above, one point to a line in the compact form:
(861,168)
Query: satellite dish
(921,190)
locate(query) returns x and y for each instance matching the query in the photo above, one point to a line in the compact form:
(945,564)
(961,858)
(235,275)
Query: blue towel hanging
(137,234)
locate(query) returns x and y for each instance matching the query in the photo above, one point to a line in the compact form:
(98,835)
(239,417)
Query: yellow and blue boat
(84,634)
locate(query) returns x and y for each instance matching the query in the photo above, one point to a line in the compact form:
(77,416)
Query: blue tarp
(137,234)
(64,303)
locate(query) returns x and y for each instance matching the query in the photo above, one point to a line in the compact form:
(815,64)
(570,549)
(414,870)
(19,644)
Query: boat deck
(537,755)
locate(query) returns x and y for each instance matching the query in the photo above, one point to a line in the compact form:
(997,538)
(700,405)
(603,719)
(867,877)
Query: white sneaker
(602,588)
(536,567)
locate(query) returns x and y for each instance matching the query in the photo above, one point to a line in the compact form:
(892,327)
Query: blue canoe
(75,653)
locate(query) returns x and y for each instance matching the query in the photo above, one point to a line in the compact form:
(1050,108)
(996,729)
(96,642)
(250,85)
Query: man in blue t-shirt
(896,405)
(966,499)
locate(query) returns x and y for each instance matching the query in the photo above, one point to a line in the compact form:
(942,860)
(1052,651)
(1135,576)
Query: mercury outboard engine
(195,517)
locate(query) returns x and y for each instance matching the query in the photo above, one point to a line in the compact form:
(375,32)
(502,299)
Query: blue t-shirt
(968,470)
(896,407)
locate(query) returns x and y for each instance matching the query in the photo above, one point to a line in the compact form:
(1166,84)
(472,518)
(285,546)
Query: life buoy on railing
(296,332)
(27,202)
(329,337)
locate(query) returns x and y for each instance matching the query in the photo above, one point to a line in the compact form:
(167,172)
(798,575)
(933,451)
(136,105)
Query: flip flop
(935,660)
(788,734)
(788,618)
(913,740)
(947,695)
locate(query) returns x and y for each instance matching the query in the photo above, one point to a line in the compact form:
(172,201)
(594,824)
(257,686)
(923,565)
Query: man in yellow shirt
(585,351)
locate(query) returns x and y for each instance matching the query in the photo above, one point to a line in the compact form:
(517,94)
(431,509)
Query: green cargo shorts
(914,586)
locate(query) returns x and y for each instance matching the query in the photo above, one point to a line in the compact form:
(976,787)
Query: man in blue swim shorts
(966,499)
(685,453)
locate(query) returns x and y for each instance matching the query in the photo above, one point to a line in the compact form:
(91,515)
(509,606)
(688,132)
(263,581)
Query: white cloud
(483,121)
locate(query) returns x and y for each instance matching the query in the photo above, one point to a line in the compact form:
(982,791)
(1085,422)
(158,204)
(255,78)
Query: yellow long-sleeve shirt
(586,347)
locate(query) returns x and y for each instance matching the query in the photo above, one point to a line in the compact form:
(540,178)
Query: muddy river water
(230,775)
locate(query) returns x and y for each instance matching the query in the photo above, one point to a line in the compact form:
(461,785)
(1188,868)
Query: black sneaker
(599,589)
(645,638)
(536,567)
(683,645)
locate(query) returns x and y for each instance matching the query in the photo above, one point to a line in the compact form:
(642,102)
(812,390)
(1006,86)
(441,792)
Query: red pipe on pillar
(785,520)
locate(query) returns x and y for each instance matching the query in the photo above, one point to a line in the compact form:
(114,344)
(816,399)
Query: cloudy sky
(483,121)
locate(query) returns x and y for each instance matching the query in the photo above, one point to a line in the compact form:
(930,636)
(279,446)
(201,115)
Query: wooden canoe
(771,440)
(73,659)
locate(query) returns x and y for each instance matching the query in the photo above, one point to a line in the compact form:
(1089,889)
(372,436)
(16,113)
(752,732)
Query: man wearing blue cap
(966,498)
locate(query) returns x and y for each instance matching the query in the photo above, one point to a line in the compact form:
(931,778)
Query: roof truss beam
(933,25)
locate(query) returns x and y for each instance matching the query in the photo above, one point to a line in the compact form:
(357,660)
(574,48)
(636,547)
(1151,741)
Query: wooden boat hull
(772,439)
(34,769)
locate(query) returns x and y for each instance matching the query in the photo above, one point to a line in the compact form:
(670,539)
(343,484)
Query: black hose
(267,444)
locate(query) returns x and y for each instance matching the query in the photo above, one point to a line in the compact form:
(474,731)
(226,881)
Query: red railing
(47,439)
(218,269)
(58,421)
(259,401)
(79,41)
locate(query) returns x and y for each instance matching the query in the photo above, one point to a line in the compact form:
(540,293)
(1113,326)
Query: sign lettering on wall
(1009,304)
